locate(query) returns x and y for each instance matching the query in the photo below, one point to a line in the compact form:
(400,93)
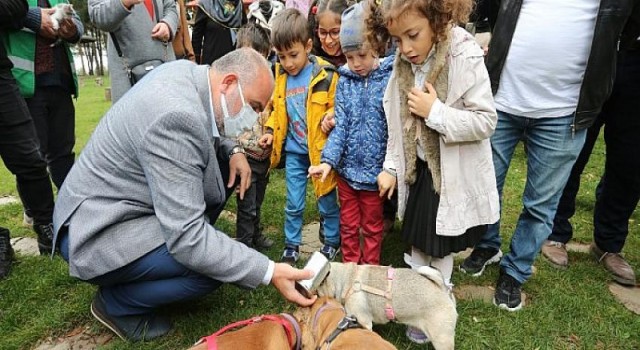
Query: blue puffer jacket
(356,147)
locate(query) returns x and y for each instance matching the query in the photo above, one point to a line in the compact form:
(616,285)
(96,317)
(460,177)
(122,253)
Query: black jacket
(600,70)
(209,39)
(11,11)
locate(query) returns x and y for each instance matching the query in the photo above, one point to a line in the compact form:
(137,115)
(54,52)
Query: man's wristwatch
(235,150)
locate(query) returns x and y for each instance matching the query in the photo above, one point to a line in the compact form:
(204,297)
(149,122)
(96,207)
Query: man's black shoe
(480,257)
(45,238)
(132,328)
(262,242)
(6,253)
(508,293)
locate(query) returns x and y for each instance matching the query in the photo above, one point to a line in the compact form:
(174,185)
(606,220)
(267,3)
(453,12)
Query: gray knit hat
(352,28)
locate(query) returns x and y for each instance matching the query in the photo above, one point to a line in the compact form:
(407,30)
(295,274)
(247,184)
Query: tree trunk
(83,71)
(99,38)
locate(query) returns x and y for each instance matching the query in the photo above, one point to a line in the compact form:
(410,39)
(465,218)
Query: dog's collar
(348,322)
(296,328)
(291,328)
(323,308)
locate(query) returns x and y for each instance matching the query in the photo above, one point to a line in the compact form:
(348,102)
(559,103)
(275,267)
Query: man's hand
(192,4)
(130,3)
(386,184)
(265,141)
(328,123)
(420,102)
(320,171)
(238,166)
(46,24)
(284,278)
(161,32)
(67,29)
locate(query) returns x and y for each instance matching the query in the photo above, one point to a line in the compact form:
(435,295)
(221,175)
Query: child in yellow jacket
(304,92)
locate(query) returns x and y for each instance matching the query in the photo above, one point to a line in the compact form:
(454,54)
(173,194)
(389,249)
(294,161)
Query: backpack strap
(325,83)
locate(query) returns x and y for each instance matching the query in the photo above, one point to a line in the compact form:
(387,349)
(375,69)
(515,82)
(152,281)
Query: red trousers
(360,210)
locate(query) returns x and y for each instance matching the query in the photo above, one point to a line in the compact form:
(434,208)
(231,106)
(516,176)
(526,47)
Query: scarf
(414,128)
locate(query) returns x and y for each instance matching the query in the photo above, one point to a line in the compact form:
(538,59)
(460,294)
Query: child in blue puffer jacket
(356,147)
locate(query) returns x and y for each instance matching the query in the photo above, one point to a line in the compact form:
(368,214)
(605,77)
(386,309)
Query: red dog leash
(285,320)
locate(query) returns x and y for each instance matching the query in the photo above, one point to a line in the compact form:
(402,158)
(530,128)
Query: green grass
(570,309)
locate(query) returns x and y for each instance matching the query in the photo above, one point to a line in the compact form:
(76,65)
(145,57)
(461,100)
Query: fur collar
(413,127)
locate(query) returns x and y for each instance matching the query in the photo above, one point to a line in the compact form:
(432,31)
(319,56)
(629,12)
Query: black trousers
(53,114)
(618,192)
(248,219)
(19,151)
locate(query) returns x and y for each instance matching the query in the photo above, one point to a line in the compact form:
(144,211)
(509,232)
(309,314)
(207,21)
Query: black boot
(6,253)
(45,238)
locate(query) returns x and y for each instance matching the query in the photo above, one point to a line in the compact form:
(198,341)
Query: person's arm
(197,34)
(12,13)
(170,17)
(477,118)
(332,94)
(74,26)
(334,148)
(174,159)
(107,15)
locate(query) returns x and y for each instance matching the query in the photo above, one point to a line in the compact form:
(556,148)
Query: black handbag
(137,72)
(227,13)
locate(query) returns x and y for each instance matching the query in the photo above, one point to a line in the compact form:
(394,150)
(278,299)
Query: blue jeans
(296,167)
(153,280)
(552,148)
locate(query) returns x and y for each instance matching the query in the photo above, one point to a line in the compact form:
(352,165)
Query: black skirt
(419,224)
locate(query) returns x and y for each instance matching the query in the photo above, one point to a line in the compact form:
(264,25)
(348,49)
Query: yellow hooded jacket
(322,90)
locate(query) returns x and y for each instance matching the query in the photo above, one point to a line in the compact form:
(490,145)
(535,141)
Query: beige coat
(468,195)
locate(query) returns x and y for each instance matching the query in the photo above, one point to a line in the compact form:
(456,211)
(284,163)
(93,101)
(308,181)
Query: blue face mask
(243,121)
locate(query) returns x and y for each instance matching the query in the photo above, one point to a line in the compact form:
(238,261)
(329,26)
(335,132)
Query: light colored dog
(321,320)
(379,294)
(270,332)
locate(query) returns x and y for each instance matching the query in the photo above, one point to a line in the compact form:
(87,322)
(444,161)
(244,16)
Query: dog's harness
(290,325)
(347,322)
(359,286)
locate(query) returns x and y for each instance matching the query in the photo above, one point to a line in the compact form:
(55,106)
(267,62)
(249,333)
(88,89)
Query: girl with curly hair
(440,115)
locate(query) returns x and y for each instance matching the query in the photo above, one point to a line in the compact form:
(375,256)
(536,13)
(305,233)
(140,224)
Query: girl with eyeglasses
(324,23)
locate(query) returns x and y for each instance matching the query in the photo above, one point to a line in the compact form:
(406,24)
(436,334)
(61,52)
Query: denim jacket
(356,147)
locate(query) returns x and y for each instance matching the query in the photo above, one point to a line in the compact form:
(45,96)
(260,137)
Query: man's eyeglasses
(333,33)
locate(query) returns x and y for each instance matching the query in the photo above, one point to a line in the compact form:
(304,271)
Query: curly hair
(440,14)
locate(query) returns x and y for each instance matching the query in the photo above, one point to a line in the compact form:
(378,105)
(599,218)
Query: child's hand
(420,102)
(265,141)
(386,184)
(320,171)
(328,123)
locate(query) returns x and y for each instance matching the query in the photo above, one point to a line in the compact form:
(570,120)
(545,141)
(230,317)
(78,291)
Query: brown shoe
(556,254)
(619,268)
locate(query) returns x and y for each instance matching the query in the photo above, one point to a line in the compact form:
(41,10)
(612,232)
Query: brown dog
(269,332)
(320,321)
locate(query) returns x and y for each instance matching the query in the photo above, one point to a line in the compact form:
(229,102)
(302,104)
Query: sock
(419,258)
(445,265)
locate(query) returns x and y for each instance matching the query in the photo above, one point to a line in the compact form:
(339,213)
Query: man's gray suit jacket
(146,177)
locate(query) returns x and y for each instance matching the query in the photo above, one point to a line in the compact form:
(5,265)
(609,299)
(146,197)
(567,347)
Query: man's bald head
(243,68)
(247,63)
